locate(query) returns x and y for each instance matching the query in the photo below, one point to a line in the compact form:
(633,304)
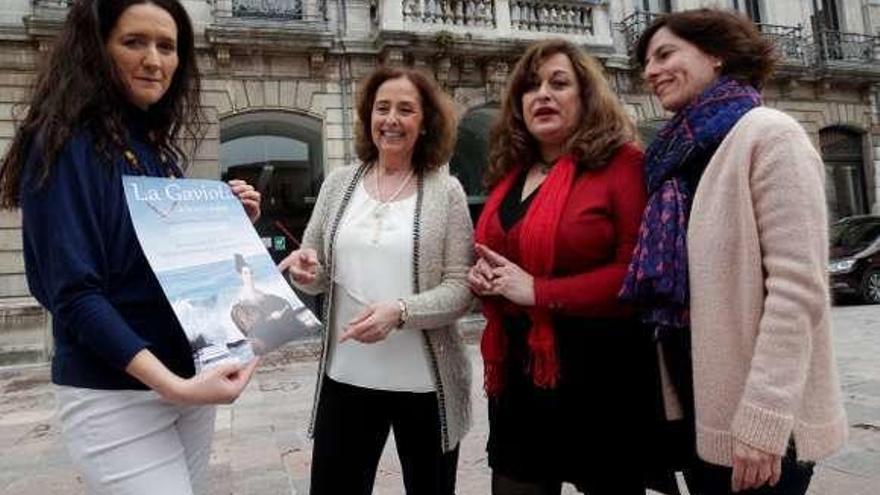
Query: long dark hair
(603,128)
(80,88)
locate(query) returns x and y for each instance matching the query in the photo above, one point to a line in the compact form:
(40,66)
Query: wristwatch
(401,305)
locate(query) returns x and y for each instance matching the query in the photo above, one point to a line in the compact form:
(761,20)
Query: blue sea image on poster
(224,287)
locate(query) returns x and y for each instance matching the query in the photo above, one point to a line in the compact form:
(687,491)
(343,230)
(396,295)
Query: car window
(855,233)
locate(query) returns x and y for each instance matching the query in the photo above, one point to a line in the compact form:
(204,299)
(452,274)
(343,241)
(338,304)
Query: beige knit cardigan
(764,367)
(443,253)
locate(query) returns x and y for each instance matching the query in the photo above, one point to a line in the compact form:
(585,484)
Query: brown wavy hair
(604,125)
(745,53)
(432,149)
(79,88)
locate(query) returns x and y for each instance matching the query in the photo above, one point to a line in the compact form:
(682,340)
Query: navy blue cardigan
(85,265)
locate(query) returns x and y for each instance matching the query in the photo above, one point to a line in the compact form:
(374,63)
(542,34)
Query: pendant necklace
(382,206)
(133,161)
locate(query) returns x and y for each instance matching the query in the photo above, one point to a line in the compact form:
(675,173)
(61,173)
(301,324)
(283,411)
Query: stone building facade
(280,78)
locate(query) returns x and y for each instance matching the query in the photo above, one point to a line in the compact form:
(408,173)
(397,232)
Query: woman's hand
(220,384)
(508,279)
(302,265)
(250,198)
(373,324)
(753,468)
(480,277)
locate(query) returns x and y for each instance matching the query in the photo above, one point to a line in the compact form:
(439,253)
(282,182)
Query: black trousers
(351,429)
(710,479)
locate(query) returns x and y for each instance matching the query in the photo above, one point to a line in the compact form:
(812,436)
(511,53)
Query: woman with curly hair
(568,370)
(390,242)
(118,90)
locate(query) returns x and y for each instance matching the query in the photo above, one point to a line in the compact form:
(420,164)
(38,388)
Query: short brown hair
(745,53)
(433,148)
(603,128)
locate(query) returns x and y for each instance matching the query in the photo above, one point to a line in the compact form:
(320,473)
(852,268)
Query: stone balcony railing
(298,11)
(583,21)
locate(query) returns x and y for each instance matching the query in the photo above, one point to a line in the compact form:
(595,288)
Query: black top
(512,209)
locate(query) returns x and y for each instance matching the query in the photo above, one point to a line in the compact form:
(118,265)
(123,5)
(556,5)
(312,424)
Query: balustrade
(553,17)
(473,13)
(268,9)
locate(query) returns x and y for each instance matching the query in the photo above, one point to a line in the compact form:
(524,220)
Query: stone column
(392,15)
(502,18)
(875,145)
(222,8)
(602,25)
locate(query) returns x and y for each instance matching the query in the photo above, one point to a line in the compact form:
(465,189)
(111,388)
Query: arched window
(471,154)
(281,154)
(844,169)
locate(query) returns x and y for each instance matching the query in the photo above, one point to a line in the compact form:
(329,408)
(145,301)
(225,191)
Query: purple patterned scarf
(657,279)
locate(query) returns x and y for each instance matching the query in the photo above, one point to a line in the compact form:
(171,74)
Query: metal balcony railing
(795,47)
(836,46)
(633,25)
(790,42)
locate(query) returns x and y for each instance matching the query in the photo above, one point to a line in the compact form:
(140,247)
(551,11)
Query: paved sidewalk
(260,446)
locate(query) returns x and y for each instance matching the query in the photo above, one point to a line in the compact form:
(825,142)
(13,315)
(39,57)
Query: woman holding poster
(390,242)
(117,93)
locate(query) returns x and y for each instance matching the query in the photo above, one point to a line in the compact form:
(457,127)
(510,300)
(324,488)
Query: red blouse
(596,237)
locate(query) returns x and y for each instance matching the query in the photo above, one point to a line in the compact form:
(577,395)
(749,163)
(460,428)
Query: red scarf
(537,244)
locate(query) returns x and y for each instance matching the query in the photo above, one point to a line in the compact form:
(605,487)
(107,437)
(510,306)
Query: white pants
(132,442)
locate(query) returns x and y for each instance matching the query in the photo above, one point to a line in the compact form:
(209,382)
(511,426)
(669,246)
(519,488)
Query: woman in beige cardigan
(390,243)
(733,250)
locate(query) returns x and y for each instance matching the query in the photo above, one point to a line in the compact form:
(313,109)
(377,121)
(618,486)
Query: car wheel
(871,287)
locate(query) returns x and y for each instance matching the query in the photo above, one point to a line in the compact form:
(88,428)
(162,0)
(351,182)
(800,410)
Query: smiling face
(396,119)
(551,104)
(143,47)
(676,70)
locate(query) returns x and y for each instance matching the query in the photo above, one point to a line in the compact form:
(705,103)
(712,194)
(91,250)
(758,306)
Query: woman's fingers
(775,471)
(738,475)
(484,269)
(477,282)
(301,264)
(765,472)
(492,257)
(250,198)
(358,325)
(308,257)
(753,468)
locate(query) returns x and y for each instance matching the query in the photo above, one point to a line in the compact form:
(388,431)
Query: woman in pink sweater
(730,267)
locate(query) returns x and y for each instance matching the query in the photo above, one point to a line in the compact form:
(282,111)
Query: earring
(423,132)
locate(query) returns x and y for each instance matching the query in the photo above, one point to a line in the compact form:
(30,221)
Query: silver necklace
(382,206)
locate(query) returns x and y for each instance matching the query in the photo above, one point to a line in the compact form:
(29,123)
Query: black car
(855,258)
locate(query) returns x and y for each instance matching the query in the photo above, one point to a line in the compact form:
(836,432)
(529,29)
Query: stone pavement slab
(260,446)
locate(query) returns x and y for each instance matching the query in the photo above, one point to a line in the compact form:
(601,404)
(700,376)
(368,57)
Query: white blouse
(373,263)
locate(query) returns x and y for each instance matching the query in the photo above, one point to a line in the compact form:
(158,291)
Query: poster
(215,271)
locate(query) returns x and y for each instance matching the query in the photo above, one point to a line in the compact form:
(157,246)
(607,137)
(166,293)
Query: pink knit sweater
(764,365)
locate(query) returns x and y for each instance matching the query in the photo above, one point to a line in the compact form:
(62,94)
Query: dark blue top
(85,265)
